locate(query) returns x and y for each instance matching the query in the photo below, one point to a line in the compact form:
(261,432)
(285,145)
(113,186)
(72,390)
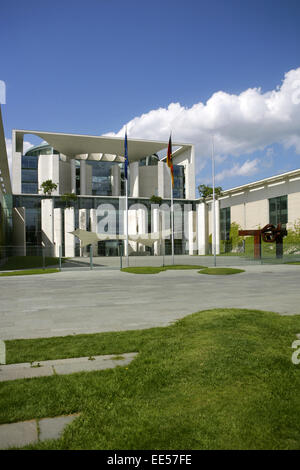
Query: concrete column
(55,173)
(142,216)
(69,227)
(134,179)
(202,239)
(160,180)
(57,230)
(217,202)
(47,223)
(83,177)
(48,169)
(116,180)
(156,227)
(17,172)
(189,172)
(83,226)
(132,228)
(93,225)
(191,231)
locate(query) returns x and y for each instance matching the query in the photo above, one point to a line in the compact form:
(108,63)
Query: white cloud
(250,167)
(26,146)
(241,123)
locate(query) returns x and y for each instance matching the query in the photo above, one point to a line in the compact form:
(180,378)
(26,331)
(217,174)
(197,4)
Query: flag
(169,160)
(126,156)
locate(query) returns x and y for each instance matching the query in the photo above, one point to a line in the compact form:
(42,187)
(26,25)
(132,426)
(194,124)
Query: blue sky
(91,67)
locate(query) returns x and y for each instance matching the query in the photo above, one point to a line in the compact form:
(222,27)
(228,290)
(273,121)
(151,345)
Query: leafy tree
(48,187)
(207,191)
(68,198)
(155,199)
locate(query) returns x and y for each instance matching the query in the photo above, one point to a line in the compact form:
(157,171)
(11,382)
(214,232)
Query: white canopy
(147,239)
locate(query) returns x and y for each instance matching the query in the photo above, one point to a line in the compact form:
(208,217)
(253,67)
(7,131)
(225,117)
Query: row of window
(278,213)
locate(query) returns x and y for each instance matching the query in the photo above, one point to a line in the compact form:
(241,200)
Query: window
(225,223)
(29,188)
(179,182)
(278,212)
(29,174)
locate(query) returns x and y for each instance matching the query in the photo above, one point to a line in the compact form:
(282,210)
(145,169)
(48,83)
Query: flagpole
(214,206)
(127,255)
(172,219)
(126,193)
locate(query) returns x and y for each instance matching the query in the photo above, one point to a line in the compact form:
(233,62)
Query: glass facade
(29,174)
(225,223)
(101,177)
(33,229)
(41,150)
(101,173)
(179,182)
(5,218)
(151,160)
(278,211)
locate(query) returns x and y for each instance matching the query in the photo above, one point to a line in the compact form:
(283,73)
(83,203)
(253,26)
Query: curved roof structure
(89,147)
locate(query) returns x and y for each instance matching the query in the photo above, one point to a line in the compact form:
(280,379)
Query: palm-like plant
(48,187)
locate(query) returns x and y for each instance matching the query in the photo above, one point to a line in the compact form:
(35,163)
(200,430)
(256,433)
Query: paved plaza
(88,301)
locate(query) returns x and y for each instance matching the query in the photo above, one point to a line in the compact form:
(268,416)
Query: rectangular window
(225,223)
(179,182)
(29,174)
(278,213)
(29,188)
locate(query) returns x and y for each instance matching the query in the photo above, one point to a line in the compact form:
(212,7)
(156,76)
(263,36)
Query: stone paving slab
(52,428)
(27,370)
(21,372)
(29,432)
(18,434)
(76,302)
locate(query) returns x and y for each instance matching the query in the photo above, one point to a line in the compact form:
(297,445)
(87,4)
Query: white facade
(249,207)
(145,181)
(248,204)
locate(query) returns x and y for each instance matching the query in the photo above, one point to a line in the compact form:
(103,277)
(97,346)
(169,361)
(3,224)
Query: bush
(291,242)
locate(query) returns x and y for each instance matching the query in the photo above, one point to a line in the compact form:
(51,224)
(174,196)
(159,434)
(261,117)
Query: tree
(207,191)
(155,199)
(68,198)
(48,187)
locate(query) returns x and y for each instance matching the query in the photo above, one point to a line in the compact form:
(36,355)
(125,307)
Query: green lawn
(30,271)
(221,271)
(217,379)
(158,269)
(28,262)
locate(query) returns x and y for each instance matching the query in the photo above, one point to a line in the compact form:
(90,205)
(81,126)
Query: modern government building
(92,167)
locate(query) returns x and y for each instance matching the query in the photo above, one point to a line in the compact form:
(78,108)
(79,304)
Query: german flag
(169,160)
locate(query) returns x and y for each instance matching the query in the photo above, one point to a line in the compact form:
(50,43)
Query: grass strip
(28,262)
(221,271)
(158,269)
(30,271)
(217,379)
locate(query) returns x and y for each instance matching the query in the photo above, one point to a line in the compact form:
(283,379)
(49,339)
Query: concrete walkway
(79,301)
(28,370)
(29,432)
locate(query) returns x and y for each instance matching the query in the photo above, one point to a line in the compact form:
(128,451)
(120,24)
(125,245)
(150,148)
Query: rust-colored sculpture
(269,234)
